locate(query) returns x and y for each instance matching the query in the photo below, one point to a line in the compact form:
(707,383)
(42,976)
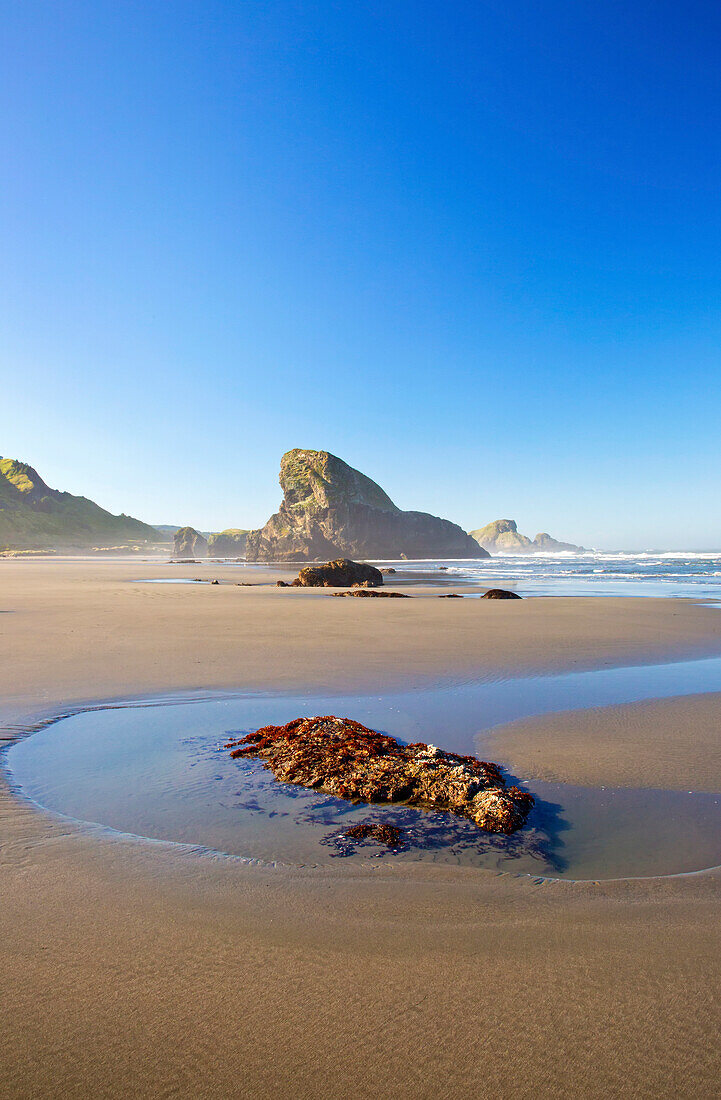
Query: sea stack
(502,536)
(330,510)
(189,543)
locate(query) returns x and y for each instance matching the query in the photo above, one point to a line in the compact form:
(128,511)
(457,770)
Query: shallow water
(161,771)
(684,573)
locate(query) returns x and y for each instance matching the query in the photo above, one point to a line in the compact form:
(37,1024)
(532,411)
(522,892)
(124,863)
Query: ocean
(592,573)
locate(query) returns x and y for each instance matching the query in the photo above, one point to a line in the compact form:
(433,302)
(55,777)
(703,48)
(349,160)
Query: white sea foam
(593,572)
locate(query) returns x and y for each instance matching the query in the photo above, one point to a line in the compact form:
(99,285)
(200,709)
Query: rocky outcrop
(500,594)
(189,543)
(331,510)
(341,573)
(502,536)
(347,760)
(375,592)
(543,541)
(227,544)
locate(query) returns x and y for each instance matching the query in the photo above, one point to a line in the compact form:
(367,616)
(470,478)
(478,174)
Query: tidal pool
(159,770)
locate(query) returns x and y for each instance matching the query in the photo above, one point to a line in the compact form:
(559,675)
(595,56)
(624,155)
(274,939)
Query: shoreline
(76,623)
(144,967)
(410,870)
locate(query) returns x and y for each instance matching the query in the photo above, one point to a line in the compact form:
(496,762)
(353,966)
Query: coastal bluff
(227,544)
(331,510)
(35,517)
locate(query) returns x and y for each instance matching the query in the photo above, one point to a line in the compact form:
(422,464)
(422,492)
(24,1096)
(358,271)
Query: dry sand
(137,969)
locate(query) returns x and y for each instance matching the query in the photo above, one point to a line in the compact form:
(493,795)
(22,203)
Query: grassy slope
(33,516)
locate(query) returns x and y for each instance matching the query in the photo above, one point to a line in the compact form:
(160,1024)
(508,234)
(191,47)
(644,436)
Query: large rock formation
(343,758)
(331,510)
(543,541)
(502,536)
(35,517)
(227,544)
(341,573)
(189,543)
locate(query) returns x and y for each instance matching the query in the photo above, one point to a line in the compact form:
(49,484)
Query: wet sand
(673,744)
(130,968)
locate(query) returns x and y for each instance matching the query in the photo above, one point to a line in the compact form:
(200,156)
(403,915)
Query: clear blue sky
(472,248)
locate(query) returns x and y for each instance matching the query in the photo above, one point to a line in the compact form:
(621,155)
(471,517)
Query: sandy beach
(670,743)
(137,968)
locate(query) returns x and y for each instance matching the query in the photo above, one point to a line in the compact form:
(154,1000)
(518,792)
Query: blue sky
(472,248)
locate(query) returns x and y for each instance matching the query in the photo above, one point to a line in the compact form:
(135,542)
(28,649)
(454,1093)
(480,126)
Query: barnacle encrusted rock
(345,759)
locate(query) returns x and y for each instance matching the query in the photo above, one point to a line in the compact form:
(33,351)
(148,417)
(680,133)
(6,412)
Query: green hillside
(35,517)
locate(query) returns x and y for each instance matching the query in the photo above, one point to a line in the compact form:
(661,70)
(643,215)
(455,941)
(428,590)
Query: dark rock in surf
(342,573)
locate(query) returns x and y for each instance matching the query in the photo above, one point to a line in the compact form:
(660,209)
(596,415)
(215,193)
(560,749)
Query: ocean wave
(648,572)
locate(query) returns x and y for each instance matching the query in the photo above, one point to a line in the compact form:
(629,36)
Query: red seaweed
(344,758)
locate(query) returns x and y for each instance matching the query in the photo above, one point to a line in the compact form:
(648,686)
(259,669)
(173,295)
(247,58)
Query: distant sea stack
(330,510)
(189,543)
(35,517)
(543,541)
(227,544)
(502,536)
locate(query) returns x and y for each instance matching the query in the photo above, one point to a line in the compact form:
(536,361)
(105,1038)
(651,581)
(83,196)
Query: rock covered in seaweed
(375,592)
(500,594)
(346,759)
(341,573)
(390,835)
